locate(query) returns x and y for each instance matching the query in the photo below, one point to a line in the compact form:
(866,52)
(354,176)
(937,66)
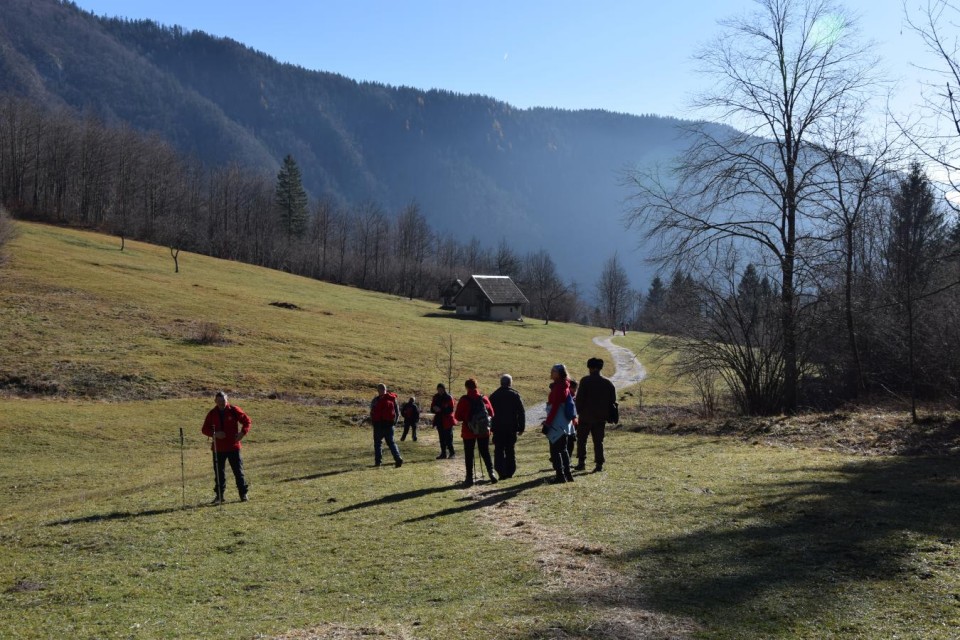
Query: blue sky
(632,56)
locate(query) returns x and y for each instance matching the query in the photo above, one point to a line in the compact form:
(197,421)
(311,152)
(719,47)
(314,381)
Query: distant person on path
(226,425)
(595,399)
(509,421)
(623,327)
(558,427)
(384,413)
(443,407)
(411,417)
(470,408)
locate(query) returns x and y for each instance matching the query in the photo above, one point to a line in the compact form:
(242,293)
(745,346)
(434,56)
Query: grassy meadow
(678,537)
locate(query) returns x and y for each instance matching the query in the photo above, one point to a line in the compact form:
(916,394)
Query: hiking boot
(493,478)
(557,480)
(216,500)
(580,467)
(468,482)
(451,453)
(244,498)
(442,456)
(398,463)
(598,468)
(568,477)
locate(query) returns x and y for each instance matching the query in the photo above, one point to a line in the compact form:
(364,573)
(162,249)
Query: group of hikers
(576,413)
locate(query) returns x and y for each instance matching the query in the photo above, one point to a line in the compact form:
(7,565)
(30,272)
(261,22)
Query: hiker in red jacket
(384,412)
(226,424)
(471,407)
(442,407)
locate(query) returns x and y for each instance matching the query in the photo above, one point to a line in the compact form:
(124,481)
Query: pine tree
(291,198)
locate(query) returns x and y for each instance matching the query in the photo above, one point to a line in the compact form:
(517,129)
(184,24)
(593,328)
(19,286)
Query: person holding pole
(474,412)
(226,425)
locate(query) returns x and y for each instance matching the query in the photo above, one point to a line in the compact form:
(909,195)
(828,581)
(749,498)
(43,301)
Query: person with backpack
(443,408)
(509,421)
(596,405)
(384,413)
(475,413)
(411,416)
(558,425)
(226,425)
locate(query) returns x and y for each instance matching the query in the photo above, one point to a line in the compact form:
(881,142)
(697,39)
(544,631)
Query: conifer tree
(291,198)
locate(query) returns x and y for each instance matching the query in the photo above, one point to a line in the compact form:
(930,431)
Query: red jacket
(557,398)
(384,409)
(442,408)
(235,425)
(462,413)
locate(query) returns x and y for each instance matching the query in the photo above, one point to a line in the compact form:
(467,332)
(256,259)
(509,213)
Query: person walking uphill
(596,398)
(509,421)
(558,427)
(226,425)
(443,407)
(384,412)
(474,413)
(411,416)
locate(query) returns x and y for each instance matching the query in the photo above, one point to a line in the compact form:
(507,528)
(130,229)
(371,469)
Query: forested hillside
(476,166)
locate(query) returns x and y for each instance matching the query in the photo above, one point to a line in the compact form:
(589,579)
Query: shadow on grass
(125,515)
(315,476)
(804,546)
(489,498)
(390,499)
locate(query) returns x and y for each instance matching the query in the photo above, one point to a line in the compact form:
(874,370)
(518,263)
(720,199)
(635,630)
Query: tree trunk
(858,383)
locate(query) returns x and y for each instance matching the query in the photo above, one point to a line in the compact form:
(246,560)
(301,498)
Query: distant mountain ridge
(542,178)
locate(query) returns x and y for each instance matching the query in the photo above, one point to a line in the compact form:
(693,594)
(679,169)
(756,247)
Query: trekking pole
(216,470)
(183,475)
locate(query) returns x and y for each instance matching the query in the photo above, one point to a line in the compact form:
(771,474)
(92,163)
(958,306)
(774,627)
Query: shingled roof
(499,289)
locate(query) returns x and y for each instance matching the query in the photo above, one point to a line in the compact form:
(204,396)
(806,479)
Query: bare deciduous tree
(782,76)
(614,295)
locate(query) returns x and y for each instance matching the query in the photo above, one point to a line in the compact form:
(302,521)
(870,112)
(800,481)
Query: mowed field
(677,537)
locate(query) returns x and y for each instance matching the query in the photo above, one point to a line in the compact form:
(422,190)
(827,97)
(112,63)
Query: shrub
(207,333)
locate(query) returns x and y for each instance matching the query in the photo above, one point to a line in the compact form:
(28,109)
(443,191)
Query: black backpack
(479,421)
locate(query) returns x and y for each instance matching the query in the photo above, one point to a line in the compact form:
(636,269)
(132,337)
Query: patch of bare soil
(577,573)
(867,431)
(340,632)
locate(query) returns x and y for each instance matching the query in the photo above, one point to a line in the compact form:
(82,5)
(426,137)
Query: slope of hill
(84,319)
(477,166)
(105,533)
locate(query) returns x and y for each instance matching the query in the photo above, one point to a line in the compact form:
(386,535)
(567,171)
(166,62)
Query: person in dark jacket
(384,413)
(509,421)
(226,425)
(442,407)
(465,407)
(411,416)
(595,397)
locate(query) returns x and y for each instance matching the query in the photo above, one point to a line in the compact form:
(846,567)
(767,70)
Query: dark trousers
(220,459)
(504,453)
(384,431)
(595,431)
(446,440)
(483,445)
(560,457)
(406,428)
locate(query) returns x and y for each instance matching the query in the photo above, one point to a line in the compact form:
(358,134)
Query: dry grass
(877,431)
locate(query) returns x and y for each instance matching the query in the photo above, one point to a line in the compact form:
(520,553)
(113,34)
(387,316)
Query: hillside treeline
(60,168)
(890,331)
